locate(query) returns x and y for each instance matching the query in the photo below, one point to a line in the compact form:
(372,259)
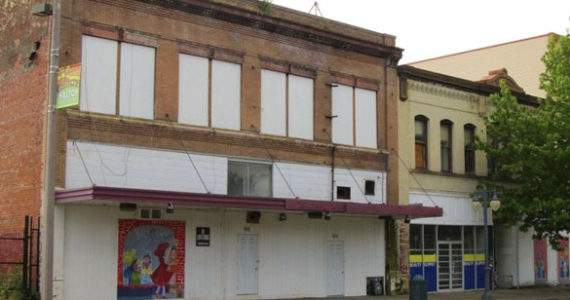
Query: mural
(563,271)
(540,264)
(151,259)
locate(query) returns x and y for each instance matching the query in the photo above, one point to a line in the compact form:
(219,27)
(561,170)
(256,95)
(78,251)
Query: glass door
(450,265)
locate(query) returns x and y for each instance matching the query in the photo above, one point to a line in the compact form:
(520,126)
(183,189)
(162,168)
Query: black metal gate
(30,255)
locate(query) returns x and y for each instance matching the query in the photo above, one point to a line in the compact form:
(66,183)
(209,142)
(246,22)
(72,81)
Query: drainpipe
(518,258)
(47,212)
(333,149)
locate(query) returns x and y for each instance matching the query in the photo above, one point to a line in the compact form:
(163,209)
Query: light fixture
(327,216)
(495,203)
(476,205)
(407,220)
(282,217)
(170,208)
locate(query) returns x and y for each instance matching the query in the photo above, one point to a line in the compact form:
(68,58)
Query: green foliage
(11,287)
(265,6)
(532,148)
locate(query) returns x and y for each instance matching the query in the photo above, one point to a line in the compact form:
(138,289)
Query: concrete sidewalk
(534,293)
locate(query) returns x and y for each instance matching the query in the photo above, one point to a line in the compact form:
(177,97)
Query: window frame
(469,150)
(447,148)
(422,142)
(246,186)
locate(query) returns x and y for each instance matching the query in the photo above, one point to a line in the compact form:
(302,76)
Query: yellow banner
(68,81)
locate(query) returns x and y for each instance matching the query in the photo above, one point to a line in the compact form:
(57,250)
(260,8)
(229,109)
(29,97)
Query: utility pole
(47,213)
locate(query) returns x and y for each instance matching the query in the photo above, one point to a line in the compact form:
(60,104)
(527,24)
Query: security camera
(170,208)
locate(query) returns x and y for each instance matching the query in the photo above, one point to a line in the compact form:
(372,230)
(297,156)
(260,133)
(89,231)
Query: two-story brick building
(225,149)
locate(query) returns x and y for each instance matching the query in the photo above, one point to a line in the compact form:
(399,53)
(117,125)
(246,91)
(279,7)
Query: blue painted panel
(431,276)
(469,275)
(480,275)
(415,269)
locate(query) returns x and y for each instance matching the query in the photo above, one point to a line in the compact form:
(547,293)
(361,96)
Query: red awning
(114,194)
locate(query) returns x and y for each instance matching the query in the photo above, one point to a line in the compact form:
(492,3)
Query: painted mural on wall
(151,259)
(563,269)
(540,263)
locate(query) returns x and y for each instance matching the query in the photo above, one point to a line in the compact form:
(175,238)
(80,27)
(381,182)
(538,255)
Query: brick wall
(23,82)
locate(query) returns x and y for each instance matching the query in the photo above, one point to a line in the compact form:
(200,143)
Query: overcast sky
(430,28)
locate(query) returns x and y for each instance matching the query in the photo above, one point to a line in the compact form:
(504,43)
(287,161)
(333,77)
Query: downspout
(333,149)
(47,212)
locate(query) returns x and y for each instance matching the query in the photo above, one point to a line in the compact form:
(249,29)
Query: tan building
(438,118)
(521,58)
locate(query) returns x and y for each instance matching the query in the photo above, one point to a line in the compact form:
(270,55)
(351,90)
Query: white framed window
(286,104)
(354,116)
(249,179)
(209,92)
(99,73)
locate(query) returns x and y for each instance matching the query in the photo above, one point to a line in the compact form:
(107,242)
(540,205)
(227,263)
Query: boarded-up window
(365,118)
(218,108)
(193,90)
(273,102)
(342,103)
(98,75)
(421,142)
(354,116)
(99,78)
(136,97)
(226,95)
(286,105)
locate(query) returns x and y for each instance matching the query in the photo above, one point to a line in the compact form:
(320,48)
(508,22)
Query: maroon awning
(114,194)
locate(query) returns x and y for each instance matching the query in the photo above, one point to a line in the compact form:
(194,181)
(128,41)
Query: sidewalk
(531,293)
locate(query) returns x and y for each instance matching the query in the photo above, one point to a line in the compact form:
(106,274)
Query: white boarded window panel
(193,90)
(98,75)
(342,109)
(226,95)
(365,114)
(301,107)
(273,102)
(137,81)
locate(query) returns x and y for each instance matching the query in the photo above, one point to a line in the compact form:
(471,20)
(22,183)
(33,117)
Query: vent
(150,214)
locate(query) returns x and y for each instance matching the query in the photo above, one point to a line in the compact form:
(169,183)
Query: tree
(530,147)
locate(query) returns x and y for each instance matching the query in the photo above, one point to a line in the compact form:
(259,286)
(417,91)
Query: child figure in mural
(173,268)
(161,275)
(145,270)
(563,267)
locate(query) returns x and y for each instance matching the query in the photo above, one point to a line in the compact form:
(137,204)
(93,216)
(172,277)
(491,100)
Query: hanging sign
(68,83)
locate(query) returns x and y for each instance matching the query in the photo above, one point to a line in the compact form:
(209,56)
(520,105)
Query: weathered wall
(23,82)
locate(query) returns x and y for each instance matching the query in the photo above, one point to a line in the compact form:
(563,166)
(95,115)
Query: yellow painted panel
(468,257)
(480,257)
(429,258)
(415,258)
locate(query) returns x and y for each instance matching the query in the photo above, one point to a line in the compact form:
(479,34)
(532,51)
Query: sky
(431,28)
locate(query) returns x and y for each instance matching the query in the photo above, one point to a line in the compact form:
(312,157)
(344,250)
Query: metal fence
(29,259)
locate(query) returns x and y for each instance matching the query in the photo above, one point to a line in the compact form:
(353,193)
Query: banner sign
(68,83)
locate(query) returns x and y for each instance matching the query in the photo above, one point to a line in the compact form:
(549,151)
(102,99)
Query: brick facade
(23,90)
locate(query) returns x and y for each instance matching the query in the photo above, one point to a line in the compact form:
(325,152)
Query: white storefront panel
(457,209)
(291,254)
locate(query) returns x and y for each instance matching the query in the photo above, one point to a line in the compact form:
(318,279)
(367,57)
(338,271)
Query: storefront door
(247,264)
(335,268)
(450,265)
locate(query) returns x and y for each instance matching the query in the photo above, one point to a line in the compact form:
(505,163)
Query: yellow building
(438,118)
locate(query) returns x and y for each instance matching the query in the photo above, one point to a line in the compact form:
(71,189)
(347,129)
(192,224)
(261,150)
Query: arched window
(469,138)
(446,154)
(421,141)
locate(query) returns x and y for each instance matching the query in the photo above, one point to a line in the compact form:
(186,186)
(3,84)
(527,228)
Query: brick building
(220,149)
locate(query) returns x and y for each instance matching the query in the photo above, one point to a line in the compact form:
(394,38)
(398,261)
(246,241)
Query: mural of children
(161,275)
(145,270)
(130,274)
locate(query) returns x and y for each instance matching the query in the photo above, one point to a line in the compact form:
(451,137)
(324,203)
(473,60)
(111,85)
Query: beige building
(438,118)
(521,58)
